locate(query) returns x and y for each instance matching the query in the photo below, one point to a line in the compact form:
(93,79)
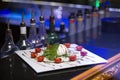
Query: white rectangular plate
(40,67)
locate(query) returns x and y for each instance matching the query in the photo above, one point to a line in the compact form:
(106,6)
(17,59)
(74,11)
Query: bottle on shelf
(101,16)
(62,33)
(95,23)
(42,32)
(87,25)
(9,46)
(72,28)
(33,37)
(79,27)
(107,12)
(23,43)
(52,36)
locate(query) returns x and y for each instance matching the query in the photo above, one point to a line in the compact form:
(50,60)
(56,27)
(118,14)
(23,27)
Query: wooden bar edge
(96,69)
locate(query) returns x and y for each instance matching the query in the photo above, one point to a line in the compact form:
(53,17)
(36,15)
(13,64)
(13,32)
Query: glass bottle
(8,47)
(88,26)
(72,28)
(62,33)
(42,31)
(23,43)
(95,21)
(52,36)
(79,27)
(107,12)
(33,37)
(101,16)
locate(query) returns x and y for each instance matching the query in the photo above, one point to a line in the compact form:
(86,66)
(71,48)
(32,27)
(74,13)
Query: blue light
(15,18)
(4,11)
(107,3)
(58,12)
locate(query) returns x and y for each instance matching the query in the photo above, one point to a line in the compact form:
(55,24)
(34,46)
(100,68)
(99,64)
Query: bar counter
(106,45)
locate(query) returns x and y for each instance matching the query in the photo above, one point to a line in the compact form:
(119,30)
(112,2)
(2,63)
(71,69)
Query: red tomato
(83,53)
(33,54)
(72,57)
(79,48)
(40,58)
(57,60)
(67,45)
(37,50)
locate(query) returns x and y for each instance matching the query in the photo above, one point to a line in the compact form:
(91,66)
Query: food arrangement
(59,56)
(57,53)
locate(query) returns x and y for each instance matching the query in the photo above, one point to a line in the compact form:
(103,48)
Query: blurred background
(12,10)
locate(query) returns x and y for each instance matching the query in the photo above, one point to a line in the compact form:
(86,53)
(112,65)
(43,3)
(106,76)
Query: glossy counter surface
(106,46)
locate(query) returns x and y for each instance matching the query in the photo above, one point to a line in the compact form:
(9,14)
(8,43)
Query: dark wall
(84,2)
(115,3)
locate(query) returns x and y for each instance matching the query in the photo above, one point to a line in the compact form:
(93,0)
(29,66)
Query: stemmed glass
(8,49)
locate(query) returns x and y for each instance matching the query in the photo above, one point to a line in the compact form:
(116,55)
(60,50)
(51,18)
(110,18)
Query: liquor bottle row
(86,25)
(40,39)
(80,28)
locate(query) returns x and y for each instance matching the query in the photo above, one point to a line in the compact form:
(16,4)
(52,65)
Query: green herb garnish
(51,52)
